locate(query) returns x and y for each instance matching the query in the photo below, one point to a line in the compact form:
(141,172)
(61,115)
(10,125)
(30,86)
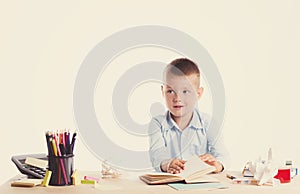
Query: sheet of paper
(206,186)
(193,165)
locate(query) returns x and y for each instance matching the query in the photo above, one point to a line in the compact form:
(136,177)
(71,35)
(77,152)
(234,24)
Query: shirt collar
(196,122)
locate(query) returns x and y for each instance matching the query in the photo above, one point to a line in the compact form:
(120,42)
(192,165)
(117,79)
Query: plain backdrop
(255,45)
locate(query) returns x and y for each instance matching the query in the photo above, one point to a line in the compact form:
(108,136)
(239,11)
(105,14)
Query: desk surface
(132,184)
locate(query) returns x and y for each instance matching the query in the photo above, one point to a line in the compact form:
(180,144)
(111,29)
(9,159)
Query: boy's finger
(204,158)
(182,161)
(174,171)
(181,165)
(178,168)
(171,171)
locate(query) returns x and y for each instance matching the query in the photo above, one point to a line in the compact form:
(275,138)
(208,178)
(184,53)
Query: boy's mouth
(178,106)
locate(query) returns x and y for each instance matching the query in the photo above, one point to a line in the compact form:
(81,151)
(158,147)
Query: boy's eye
(186,91)
(170,91)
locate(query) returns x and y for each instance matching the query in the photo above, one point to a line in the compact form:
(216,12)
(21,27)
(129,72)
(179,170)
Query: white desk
(131,184)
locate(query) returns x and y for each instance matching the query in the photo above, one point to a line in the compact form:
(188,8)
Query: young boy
(183,131)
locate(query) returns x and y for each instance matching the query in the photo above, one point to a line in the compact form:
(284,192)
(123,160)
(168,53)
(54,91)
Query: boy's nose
(177,98)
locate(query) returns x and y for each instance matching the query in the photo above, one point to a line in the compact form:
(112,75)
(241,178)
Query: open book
(195,171)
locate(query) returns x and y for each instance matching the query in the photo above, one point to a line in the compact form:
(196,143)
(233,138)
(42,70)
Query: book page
(162,174)
(195,165)
(159,178)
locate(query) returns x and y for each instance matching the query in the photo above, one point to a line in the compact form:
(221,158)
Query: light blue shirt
(168,141)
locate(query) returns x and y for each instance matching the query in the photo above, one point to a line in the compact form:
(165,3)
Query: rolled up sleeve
(217,148)
(219,151)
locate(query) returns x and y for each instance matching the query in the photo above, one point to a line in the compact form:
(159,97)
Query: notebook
(196,171)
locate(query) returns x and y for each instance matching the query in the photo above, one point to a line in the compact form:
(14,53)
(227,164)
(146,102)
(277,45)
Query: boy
(183,131)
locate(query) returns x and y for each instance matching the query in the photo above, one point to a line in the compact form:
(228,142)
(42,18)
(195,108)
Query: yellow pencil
(54,147)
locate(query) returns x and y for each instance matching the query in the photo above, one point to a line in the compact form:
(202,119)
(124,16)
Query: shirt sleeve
(219,151)
(216,145)
(158,152)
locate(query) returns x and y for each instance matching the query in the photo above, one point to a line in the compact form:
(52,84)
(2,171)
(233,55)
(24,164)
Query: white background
(255,45)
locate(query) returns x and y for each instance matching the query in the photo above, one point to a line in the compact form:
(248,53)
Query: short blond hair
(182,67)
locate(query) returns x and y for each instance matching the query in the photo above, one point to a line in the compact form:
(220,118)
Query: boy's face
(181,94)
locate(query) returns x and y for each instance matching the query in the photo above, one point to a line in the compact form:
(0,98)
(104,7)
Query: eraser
(47,177)
(88,182)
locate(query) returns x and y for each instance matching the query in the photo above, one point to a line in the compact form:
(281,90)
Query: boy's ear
(200,92)
(162,90)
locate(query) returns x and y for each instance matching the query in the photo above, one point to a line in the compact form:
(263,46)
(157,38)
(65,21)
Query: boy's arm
(216,146)
(159,155)
(218,149)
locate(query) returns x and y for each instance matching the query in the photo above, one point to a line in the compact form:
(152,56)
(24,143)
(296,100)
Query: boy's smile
(178,106)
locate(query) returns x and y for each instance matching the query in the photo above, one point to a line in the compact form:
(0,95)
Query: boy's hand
(209,159)
(176,166)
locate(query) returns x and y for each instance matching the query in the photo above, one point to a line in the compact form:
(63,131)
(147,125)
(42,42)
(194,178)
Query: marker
(63,139)
(73,142)
(62,149)
(230,176)
(48,142)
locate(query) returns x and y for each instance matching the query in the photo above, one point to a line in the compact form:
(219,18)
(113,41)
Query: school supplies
(91,178)
(60,156)
(90,182)
(76,177)
(284,175)
(31,170)
(195,172)
(203,186)
(109,172)
(26,183)
(246,171)
(35,162)
(245,181)
(293,170)
(263,171)
(46,180)
(230,176)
